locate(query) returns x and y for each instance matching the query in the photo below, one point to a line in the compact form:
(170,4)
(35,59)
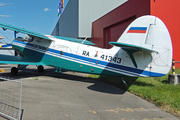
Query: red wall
(169,12)
(112,25)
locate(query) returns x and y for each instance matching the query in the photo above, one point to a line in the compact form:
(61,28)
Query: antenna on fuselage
(84,40)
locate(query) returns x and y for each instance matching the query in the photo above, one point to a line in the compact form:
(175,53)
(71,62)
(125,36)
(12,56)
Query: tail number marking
(110,58)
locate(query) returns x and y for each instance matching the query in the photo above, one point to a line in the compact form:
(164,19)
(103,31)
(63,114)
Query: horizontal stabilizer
(131,47)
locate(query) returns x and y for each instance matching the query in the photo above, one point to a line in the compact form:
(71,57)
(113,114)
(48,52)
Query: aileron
(8,59)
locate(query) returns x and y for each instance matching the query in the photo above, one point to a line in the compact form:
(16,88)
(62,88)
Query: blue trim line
(7,45)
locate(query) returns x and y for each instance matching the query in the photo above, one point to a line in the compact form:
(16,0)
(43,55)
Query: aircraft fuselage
(81,58)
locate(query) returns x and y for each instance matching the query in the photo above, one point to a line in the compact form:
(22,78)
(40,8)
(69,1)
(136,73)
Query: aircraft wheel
(14,71)
(40,68)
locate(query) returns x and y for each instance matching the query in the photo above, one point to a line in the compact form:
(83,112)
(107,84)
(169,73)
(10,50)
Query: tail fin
(150,35)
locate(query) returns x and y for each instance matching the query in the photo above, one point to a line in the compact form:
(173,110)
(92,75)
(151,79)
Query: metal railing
(10,98)
(173,66)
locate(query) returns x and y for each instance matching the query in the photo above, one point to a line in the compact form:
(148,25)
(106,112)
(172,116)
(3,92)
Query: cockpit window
(28,38)
(19,38)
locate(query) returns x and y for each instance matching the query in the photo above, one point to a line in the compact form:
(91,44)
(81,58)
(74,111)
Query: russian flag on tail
(137,30)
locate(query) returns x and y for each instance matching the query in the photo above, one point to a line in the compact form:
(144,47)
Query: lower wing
(8,59)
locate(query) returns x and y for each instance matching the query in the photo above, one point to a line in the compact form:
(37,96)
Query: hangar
(104,21)
(78,16)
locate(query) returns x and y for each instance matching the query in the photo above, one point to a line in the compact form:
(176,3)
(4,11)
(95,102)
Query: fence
(10,98)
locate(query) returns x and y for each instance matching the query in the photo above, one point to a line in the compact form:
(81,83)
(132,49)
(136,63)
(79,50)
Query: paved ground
(71,96)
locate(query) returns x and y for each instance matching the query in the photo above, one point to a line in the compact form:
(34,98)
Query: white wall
(91,10)
(78,16)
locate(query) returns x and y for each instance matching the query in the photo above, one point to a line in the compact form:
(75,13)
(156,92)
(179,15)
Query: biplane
(143,50)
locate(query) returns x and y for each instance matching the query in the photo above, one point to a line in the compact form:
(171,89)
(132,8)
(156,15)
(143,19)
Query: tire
(14,71)
(40,68)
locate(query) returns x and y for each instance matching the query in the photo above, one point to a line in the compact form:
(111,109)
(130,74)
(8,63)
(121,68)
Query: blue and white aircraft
(143,50)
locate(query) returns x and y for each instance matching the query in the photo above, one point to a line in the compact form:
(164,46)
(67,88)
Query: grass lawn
(153,89)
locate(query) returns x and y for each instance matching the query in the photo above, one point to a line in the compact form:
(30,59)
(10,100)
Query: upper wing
(22,30)
(31,33)
(7,59)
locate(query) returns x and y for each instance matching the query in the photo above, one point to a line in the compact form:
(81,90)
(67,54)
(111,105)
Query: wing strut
(130,53)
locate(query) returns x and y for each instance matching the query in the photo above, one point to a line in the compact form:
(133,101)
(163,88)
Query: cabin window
(28,38)
(44,48)
(40,47)
(36,46)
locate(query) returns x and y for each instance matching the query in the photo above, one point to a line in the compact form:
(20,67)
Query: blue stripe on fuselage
(7,45)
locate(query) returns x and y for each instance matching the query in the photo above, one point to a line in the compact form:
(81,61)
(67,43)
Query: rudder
(148,34)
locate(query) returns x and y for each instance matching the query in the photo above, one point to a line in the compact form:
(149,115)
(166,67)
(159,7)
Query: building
(78,16)
(104,21)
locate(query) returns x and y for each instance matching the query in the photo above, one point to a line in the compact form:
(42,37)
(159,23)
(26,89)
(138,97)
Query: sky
(35,15)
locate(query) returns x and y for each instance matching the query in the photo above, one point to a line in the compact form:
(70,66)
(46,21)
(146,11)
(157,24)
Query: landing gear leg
(58,70)
(14,71)
(40,68)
